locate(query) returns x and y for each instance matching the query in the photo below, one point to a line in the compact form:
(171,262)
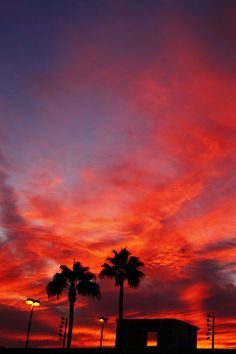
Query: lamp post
(102,320)
(33,303)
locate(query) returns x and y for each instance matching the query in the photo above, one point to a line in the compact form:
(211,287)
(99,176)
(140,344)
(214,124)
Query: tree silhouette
(78,281)
(122,267)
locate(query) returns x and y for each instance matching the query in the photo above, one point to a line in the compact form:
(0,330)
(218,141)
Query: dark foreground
(112,351)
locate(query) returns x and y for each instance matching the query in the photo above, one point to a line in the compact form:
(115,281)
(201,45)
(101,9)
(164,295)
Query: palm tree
(122,267)
(78,280)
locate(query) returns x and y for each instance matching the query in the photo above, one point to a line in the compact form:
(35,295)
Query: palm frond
(134,278)
(123,267)
(87,276)
(135,262)
(112,260)
(89,288)
(124,255)
(66,272)
(108,271)
(56,286)
(79,270)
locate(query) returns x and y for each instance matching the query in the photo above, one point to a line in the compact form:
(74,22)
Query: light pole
(33,303)
(63,330)
(102,320)
(210,322)
(213,333)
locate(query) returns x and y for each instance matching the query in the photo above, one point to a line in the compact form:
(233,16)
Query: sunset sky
(118,128)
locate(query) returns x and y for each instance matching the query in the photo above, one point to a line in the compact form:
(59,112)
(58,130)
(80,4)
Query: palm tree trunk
(120,321)
(121,300)
(70,327)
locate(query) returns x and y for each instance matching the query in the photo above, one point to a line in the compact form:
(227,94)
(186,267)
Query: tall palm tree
(77,281)
(122,267)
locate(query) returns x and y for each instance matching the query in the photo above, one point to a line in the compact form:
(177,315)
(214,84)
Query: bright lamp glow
(102,319)
(32,302)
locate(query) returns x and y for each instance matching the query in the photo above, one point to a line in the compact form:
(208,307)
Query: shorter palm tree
(77,281)
(122,267)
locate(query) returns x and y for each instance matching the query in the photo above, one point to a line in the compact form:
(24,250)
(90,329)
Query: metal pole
(213,332)
(101,334)
(29,325)
(65,331)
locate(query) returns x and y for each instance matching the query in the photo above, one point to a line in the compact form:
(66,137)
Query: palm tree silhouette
(122,267)
(79,281)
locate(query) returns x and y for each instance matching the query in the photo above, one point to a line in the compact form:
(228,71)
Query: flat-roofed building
(163,333)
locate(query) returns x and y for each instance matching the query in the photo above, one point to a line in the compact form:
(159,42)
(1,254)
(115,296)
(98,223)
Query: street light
(33,303)
(102,320)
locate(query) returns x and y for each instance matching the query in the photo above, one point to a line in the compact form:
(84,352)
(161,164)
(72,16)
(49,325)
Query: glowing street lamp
(102,320)
(33,303)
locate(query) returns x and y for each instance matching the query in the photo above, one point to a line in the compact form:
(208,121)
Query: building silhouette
(162,333)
